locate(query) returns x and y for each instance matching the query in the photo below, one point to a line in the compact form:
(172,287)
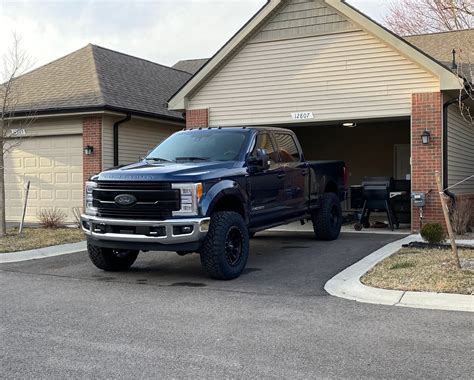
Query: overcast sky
(163,31)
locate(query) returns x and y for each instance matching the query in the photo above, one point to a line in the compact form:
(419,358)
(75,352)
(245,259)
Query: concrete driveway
(63,317)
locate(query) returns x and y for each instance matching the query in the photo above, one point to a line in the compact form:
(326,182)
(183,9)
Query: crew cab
(209,191)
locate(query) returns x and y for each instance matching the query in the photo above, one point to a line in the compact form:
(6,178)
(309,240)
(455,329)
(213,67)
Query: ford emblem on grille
(125,199)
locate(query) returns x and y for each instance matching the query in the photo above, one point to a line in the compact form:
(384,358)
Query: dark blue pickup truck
(209,191)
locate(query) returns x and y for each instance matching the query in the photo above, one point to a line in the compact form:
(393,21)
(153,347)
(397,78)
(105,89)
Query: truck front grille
(155,200)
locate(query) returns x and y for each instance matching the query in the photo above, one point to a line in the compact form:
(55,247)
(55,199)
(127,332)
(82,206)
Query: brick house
(95,98)
(321,67)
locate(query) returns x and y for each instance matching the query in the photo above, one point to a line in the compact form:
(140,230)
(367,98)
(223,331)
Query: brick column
(92,135)
(197,118)
(426,159)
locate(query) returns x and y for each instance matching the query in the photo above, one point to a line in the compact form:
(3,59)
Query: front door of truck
(296,175)
(266,188)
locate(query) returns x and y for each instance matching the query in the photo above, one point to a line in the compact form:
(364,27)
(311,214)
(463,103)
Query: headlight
(191,194)
(88,198)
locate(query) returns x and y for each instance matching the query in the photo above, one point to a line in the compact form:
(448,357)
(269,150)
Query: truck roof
(255,128)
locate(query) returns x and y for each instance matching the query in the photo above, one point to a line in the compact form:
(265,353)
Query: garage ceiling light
(349,125)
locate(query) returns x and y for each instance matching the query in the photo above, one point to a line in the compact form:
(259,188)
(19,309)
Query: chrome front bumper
(159,231)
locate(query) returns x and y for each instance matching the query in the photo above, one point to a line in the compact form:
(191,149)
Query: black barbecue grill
(376,198)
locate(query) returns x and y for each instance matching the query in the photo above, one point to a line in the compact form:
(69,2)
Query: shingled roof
(95,77)
(440,46)
(191,66)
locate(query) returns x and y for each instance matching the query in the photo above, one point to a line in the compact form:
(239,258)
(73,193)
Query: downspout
(116,137)
(445,142)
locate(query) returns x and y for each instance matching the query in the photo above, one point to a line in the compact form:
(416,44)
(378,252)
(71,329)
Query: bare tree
(409,17)
(15,62)
(412,17)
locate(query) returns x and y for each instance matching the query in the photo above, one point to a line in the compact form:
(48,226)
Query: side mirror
(259,163)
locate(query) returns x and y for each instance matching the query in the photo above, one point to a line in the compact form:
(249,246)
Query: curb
(41,253)
(347,285)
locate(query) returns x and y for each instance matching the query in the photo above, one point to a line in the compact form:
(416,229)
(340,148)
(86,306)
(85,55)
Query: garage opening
(376,148)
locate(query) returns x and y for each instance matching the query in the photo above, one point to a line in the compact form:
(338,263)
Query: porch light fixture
(349,125)
(425,137)
(88,150)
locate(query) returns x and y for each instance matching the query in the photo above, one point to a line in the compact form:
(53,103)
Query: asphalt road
(61,317)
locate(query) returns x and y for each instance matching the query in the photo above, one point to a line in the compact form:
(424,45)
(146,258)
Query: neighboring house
(191,66)
(94,97)
(314,65)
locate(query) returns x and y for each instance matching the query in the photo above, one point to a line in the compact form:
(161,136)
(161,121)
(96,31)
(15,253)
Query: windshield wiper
(157,159)
(192,158)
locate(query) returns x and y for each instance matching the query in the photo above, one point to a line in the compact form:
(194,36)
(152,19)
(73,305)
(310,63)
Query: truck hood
(171,171)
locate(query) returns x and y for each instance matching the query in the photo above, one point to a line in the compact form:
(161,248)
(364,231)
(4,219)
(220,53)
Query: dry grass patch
(426,270)
(33,238)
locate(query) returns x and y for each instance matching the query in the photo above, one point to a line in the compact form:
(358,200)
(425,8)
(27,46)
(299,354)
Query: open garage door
(53,164)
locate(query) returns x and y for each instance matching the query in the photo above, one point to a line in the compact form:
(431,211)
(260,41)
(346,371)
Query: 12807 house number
(302,115)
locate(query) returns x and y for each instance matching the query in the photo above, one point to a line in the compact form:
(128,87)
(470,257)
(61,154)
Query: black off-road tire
(327,220)
(111,260)
(221,244)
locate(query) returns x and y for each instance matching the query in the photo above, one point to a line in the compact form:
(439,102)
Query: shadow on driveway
(279,263)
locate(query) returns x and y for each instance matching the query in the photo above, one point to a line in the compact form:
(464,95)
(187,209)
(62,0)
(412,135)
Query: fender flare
(219,191)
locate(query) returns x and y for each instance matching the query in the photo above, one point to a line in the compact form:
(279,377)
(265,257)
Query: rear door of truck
(297,175)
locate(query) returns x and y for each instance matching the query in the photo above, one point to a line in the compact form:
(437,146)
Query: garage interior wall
(136,138)
(367,149)
(50,156)
(460,150)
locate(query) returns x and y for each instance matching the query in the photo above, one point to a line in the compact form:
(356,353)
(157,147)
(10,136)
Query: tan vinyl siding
(302,18)
(137,137)
(460,151)
(51,127)
(336,76)
(108,141)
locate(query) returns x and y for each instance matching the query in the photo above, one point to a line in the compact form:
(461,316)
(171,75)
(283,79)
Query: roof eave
(448,80)
(179,101)
(95,109)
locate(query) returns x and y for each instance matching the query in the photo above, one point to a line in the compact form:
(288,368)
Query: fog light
(182,230)
(86,225)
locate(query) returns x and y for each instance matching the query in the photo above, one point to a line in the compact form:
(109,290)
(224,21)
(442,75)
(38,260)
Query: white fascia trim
(179,101)
(448,80)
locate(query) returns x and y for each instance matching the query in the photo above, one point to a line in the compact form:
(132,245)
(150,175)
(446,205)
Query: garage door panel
(45,163)
(54,167)
(76,178)
(76,195)
(61,178)
(30,162)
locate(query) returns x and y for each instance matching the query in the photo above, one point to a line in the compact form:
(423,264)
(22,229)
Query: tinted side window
(264,142)
(288,150)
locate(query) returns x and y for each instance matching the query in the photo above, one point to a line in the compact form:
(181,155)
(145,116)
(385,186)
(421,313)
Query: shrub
(433,233)
(461,214)
(51,218)
(77,211)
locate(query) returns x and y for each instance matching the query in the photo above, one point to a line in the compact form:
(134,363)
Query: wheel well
(229,203)
(331,187)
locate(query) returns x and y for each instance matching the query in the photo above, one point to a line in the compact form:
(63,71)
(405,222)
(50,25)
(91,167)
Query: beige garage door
(53,164)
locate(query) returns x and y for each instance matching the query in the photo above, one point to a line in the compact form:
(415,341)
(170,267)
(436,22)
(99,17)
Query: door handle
(281,176)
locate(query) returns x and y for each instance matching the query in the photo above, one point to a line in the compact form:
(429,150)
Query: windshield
(200,146)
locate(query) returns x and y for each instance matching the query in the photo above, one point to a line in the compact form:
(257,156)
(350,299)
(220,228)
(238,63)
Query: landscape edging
(346,284)
(41,253)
